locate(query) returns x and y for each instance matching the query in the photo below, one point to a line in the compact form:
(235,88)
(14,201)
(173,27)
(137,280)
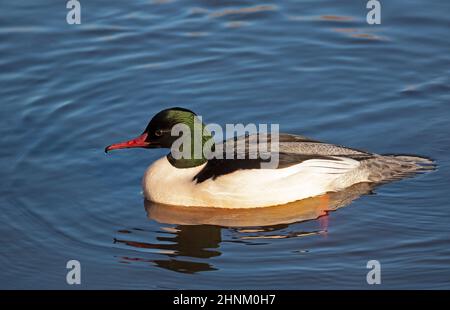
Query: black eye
(158,133)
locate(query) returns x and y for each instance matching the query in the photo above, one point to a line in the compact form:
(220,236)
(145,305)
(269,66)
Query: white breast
(250,188)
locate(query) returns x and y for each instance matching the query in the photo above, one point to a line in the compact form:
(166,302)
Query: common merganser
(306,168)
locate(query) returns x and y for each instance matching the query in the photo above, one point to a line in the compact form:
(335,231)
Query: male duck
(306,168)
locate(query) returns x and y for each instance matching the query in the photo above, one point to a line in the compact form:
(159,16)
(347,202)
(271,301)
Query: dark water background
(315,67)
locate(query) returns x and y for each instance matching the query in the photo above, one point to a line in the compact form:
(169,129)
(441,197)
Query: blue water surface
(315,67)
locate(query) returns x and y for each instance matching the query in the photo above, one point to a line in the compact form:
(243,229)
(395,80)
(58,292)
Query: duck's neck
(196,157)
(185,163)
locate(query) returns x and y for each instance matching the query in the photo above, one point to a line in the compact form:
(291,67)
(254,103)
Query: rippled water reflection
(196,232)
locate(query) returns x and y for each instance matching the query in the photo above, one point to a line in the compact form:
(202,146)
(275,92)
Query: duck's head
(157,134)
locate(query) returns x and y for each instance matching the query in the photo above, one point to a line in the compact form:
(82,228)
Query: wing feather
(292,150)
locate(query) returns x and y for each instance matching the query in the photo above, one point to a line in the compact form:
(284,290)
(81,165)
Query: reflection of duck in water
(195,241)
(306,167)
(196,238)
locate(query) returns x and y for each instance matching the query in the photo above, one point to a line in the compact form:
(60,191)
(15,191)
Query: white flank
(250,188)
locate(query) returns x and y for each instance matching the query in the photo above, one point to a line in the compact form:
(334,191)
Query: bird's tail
(386,168)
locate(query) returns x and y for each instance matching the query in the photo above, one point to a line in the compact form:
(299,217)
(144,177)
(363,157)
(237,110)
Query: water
(315,67)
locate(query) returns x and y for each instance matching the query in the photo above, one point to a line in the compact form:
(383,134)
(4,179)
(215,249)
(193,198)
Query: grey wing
(292,144)
(292,149)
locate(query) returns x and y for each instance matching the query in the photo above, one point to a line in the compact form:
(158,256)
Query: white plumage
(250,188)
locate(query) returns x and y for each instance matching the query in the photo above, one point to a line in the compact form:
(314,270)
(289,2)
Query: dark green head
(158,134)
